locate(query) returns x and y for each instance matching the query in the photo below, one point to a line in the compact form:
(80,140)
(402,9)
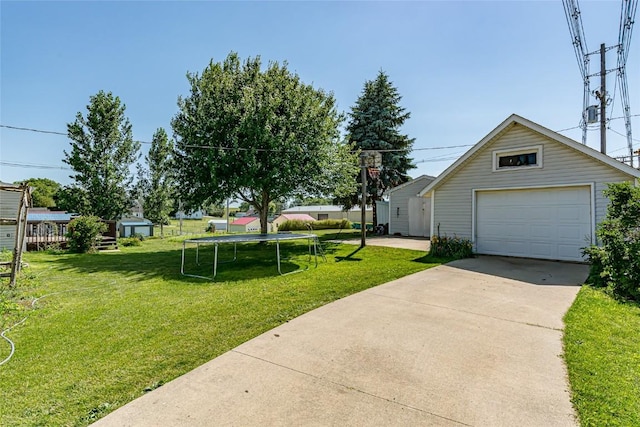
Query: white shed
(409,213)
(526,191)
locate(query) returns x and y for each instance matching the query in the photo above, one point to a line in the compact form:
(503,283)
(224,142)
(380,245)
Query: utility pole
(603,100)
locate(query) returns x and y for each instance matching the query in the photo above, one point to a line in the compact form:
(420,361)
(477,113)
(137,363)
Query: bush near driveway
(616,264)
(451,247)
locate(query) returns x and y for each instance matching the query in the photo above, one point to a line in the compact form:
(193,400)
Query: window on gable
(525,159)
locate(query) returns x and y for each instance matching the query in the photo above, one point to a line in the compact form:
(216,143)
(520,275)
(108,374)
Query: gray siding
(399,204)
(561,165)
(9,202)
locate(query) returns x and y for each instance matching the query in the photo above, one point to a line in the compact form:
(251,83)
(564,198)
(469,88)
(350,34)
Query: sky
(461,67)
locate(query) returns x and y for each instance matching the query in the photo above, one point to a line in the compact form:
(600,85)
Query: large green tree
(156,181)
(375,123)
(43,191)
(102,151)
(258,136)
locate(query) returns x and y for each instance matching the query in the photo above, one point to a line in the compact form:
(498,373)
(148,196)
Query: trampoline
(246,238)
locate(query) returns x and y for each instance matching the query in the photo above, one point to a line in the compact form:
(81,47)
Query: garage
(549,223)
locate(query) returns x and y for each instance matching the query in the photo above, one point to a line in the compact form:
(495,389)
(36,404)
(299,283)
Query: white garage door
(549,223)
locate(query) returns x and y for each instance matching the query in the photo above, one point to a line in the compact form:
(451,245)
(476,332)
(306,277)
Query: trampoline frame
(246,238)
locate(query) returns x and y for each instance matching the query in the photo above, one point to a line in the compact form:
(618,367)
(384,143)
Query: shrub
(294,225)
(615,264)
(130,241)
(84,233)
(451,247)
(332,224)
(211,228)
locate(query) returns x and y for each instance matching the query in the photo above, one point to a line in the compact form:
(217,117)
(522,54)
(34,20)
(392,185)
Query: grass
(113,326)
(602,350)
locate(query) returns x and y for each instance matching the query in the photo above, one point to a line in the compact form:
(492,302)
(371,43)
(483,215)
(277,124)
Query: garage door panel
(541,249)
(547,223)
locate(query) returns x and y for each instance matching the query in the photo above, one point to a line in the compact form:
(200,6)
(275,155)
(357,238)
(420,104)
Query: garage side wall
(561,165)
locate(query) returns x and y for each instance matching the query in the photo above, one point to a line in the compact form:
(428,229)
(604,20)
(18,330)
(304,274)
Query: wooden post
(363,202)
(20,232)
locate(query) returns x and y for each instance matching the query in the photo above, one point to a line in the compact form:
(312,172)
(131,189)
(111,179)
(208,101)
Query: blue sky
(461,67)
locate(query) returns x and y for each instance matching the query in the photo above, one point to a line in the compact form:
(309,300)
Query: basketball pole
(363,202)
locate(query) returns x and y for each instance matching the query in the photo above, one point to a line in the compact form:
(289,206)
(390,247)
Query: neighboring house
(199,214)
(247,224)
(137,210)
(291,217)
(525,191)
(321,212)
(46,227)
(410,214)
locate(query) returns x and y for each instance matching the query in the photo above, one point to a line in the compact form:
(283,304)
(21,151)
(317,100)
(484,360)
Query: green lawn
(113,326)
(602,350)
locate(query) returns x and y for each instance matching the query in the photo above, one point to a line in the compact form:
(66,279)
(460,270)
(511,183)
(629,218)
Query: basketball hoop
(374,173)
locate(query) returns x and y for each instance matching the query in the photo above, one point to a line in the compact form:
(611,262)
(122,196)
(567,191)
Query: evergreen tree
(102,150)
(156,183)
(374,124)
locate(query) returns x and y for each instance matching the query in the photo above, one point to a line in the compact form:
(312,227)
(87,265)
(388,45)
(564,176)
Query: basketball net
(374,173)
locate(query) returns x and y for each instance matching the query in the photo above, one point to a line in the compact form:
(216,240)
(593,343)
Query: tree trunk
(264,214)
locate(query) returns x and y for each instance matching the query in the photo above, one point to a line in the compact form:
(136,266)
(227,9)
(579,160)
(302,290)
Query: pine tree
(156,184)
(374,124)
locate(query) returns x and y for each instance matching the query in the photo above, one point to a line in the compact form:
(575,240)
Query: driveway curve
(476,342)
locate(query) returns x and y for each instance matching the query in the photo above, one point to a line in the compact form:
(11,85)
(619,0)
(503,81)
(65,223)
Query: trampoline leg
(215,261)
(182,265)
(278,254)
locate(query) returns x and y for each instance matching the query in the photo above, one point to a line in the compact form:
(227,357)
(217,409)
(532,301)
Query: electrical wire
(210,147)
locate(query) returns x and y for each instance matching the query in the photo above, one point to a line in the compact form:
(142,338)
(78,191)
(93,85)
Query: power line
(621,134)
(32,165)
(209,147)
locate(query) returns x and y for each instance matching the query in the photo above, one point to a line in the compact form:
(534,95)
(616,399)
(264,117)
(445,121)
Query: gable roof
(516,119)
(245,220)
(411,182)
(299,217)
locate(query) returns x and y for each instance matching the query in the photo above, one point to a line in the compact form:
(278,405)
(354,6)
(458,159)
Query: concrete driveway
(476,342)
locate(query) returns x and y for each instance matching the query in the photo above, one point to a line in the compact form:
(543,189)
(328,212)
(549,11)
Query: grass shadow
(253,261)
(349,257)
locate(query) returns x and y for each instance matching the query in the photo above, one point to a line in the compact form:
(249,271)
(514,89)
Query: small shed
(130,228)
(409,213)
(291,217)
(247,224)
(219,224)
